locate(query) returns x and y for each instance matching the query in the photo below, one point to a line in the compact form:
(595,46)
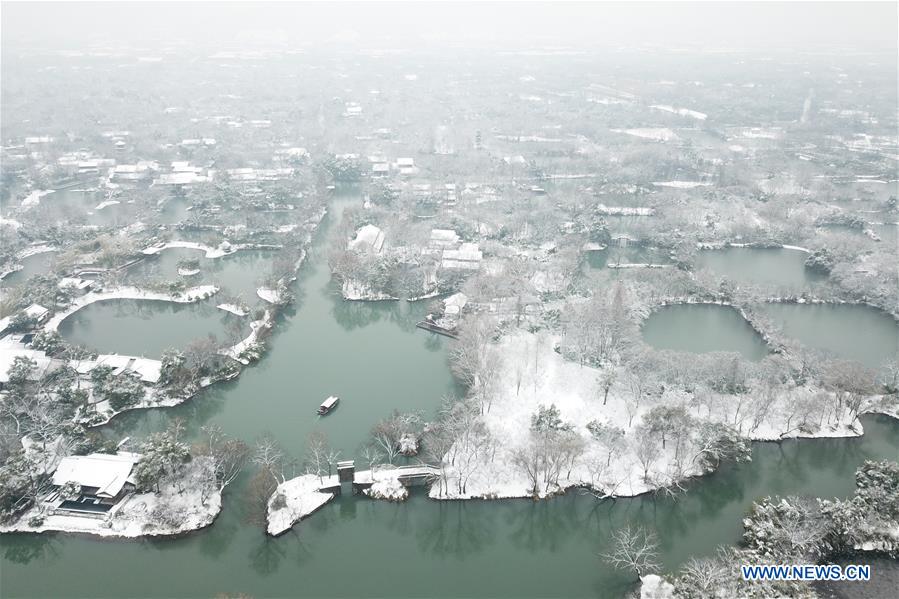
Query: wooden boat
(328,405)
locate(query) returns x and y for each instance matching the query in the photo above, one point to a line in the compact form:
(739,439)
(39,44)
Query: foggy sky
(767,25)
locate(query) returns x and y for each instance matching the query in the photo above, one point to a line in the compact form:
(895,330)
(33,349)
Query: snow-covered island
(167,489)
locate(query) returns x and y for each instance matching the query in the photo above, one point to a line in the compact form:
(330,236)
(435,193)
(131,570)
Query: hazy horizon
(812,26)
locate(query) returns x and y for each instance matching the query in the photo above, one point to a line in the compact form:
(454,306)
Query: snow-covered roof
(444,235)
(454,303)
(107,472)
(368,238)
(467,256)
(148,370)
(74,283)
(36,311)
(8,353)
(180,178)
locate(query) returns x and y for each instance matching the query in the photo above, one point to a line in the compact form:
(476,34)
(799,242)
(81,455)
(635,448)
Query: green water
(701,328)
(851,332)
(147,327)
(373,357)
(36,264)
(780,268)
(238,274)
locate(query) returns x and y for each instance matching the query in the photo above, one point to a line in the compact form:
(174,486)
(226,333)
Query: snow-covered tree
(634,549)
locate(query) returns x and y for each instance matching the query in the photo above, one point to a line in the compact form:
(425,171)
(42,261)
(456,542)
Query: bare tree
(438,441)
(473,360)
(703,577)
(317,453)
(606,380)
(392,435)
(634,549)
(371,455)
(228,456)
(610,437)
(647,448)
(270,459)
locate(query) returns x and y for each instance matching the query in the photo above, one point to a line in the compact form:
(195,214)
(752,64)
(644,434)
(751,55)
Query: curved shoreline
(189,296)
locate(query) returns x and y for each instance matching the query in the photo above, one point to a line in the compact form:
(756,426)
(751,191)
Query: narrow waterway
(373,357)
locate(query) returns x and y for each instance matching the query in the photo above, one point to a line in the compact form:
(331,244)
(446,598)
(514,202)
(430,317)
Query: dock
(434,328)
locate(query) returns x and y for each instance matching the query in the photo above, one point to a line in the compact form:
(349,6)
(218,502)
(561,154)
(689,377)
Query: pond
(851,332)
(776,267)
(148,327)
(372,356)
(238,274)
(35,264)
(79,207)
(701,328)
(68,205)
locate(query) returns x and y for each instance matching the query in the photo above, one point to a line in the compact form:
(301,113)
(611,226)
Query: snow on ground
(34,198)
(36,249)
(223,250)
(653,586)
(638,265)
(532,374)
(295,499)
(390,489)
(251,341)
(657,134)
(172,512)
(624,210)
(194,294)
(188,272)
(272,296)
(234,309)
(797,248)
(299,497)
(354,290)
(700,116)
(106,204)
(680,184)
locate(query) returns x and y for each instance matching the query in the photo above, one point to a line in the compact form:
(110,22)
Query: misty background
(810,26)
